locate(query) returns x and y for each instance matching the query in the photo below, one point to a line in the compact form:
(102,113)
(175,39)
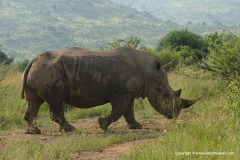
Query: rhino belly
(85,102)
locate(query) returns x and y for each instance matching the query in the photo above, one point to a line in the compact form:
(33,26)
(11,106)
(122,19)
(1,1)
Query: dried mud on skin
(153,127)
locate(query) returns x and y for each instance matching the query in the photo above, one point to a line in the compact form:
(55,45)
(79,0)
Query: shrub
(20,66)
(187,44)
(190,56)
(224,57)
(165,56)
(133,42)
(4,59)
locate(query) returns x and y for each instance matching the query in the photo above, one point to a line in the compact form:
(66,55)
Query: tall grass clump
(11,106)
(233,100)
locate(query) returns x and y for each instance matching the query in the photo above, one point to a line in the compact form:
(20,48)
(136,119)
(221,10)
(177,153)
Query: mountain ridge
(30,27)
(189,11)
(35,26)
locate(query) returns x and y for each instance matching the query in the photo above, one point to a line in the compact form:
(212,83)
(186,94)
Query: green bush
(165,56)
(20,66)
(133,42)
(224,57)
(190,46)
(190,56)
(4,58)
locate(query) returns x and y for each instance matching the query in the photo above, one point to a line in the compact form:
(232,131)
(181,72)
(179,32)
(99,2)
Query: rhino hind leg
(130,118)
(33,105)
(30,116)
(57,115)
(119,104)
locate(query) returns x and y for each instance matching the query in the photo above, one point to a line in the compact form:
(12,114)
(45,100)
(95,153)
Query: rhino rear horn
(167,66)
(178,92)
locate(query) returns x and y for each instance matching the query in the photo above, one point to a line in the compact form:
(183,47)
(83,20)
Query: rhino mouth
(172,109)
(169,116)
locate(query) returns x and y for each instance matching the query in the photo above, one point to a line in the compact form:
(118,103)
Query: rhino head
(162,97)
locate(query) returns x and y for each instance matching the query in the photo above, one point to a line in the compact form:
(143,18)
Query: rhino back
(94,79)
(86,78)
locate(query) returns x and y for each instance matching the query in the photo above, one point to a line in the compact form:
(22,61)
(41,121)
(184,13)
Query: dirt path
(113,151)
(154,127)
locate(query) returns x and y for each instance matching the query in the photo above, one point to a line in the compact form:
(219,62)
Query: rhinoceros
(87,78)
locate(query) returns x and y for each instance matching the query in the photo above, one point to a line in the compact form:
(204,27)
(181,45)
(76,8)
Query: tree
(133,42)
(4,59)
(189,45)
(224,57)
(178,38)
(20,66)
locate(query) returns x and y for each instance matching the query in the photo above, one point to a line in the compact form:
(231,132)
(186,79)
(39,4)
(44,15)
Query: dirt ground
(153,127)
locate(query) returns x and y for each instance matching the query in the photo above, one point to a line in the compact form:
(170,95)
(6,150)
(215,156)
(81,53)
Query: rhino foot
(135,125)
(67,128)
(103,124)
(33,130)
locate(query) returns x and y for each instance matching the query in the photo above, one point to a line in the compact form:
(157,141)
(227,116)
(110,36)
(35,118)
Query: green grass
(208,129)
(66,146)
(212,131)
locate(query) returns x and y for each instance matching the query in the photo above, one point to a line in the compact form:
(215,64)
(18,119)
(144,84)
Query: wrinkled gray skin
(86,78)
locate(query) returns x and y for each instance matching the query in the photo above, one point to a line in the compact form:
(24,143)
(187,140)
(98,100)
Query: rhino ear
(157,65)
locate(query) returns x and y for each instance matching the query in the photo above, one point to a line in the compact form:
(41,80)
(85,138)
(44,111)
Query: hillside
(29,27)
(194,11)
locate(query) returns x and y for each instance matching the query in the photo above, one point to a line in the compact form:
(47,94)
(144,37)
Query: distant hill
(225,12)
(29,26)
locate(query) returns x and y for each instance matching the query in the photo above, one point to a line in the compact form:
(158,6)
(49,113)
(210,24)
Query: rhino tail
(24,78)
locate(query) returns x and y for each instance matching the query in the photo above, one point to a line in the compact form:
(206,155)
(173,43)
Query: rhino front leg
(130,118)
(119,104)
(57,115)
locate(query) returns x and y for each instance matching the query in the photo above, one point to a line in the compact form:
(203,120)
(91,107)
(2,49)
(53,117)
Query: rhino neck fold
(144,89)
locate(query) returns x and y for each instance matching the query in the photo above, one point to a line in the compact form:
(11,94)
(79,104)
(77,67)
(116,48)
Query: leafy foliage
(133,42)
(178,38)
(165,56)
(190,46)
(190,56)
(20,66)
(4,59)
(224,57)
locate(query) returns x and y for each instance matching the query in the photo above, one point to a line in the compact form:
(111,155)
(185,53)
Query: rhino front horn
(187,103)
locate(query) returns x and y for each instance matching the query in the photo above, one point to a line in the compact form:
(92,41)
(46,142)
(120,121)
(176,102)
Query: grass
(209,129)
(61,147)
(205,136)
